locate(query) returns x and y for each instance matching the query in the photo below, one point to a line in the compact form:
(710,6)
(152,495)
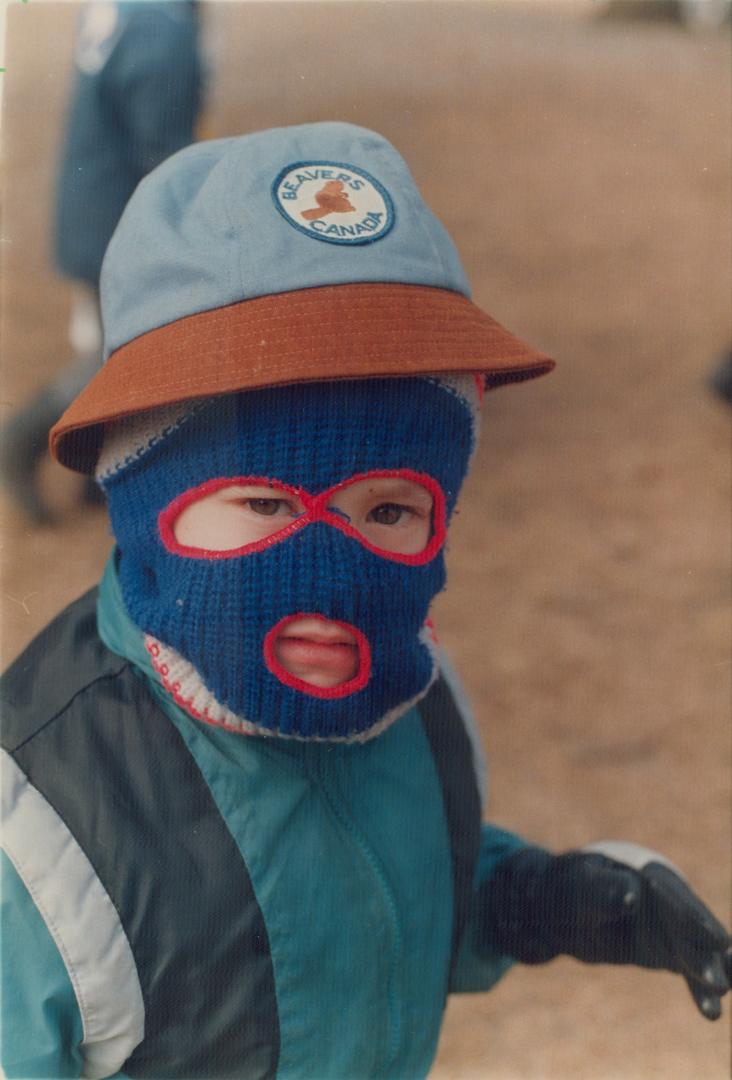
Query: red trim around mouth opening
(359,680)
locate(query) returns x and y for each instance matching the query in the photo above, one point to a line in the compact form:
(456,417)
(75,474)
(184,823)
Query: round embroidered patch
(332,201)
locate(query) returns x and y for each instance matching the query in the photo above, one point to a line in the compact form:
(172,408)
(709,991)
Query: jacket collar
(115,627)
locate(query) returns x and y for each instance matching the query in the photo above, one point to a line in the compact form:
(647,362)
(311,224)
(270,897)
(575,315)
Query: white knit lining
(128,439)
(185,685)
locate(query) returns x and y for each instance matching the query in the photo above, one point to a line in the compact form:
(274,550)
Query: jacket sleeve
(41,1023)
(478,968)
(153,82)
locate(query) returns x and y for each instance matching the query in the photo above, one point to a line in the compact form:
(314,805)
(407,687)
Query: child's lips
(307,659)
(319,631)
(318,651)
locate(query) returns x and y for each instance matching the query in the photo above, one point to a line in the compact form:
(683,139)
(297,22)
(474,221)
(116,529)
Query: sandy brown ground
(582,167)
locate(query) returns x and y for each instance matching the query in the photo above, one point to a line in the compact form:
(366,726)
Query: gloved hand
(603,910)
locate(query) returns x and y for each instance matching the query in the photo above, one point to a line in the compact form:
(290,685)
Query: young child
(242,791)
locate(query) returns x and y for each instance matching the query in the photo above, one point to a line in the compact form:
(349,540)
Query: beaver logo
(331,199)
(335,202)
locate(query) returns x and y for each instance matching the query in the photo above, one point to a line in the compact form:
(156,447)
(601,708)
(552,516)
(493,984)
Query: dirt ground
(582,166)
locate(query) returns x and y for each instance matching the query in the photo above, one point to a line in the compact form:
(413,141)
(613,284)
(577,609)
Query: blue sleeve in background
(154,80)
(476,968)
(41,1024)
(129,109)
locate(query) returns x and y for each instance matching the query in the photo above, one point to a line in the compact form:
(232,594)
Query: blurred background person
(703,16)
(135,99)
(721,380)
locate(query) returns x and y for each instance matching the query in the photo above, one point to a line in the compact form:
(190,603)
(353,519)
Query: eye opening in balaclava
(309,507)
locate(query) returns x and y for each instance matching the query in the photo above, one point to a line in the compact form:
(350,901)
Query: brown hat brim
(331,332)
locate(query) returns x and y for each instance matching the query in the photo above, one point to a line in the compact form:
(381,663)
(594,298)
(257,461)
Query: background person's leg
(24,439)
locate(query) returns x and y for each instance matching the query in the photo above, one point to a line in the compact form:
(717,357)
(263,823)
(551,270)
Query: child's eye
(388,513)
(269,507)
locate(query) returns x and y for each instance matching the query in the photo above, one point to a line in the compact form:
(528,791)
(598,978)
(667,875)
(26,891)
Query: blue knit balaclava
(207,617)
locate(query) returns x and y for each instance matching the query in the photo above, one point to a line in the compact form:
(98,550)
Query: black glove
(600,910)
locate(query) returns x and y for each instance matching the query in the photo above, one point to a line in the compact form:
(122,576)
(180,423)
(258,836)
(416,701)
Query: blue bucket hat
(290,255)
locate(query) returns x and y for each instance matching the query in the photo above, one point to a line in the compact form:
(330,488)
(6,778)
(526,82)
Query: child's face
(287,542)
(391,513)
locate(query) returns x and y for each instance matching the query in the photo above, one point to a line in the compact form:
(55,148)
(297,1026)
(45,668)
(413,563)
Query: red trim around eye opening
(168,517)
(343,689)
(480,385)
(315,510)
(320,512)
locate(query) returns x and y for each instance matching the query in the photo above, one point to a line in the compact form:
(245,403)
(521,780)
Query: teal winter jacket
(180,900)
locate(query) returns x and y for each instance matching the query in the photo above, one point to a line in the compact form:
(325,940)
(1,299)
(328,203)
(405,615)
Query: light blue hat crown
(234,219)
